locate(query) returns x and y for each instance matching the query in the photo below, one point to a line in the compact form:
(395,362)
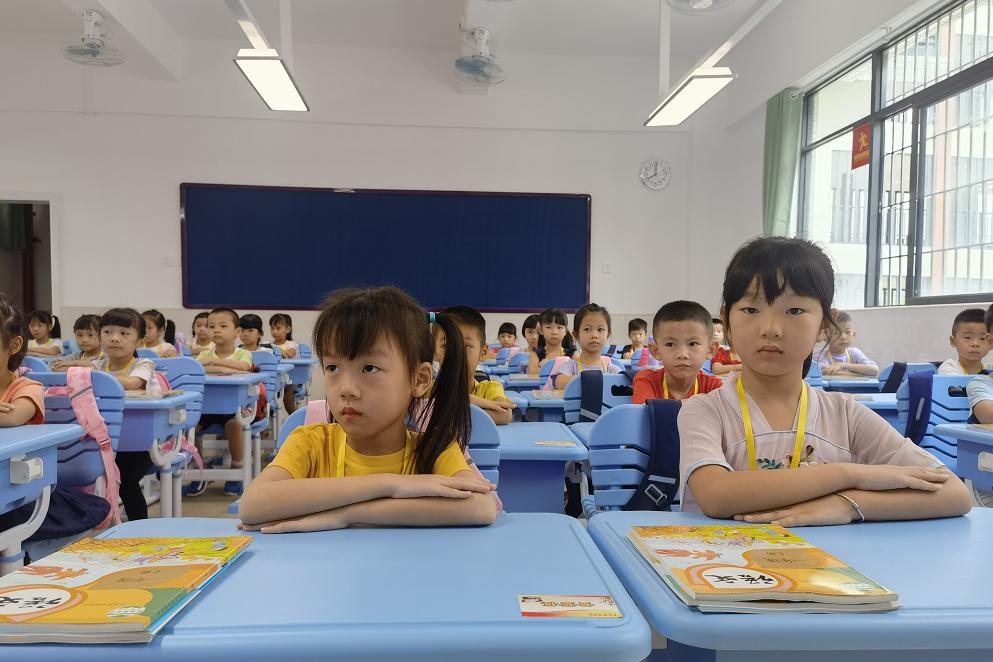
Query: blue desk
(300,374)
(33,452)
(532,475)
(975,452)
(883,404)
(148,424)
(420,595)
(545,410)
(522,382)
(238,395)
(852,384)
(947,612)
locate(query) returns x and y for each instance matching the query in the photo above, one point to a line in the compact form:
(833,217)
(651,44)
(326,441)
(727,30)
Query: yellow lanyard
(123,372)
(801,425)
(848,357)
(339,453)
(665,387)
(579,364)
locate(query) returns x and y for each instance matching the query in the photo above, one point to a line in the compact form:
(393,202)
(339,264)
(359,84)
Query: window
(914,224)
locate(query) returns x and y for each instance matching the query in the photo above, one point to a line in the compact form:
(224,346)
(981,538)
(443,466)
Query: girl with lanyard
(368,467)
(591,324)
(742,446)
(121,329)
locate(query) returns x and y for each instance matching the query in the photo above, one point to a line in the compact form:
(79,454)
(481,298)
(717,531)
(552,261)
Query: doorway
(26,254)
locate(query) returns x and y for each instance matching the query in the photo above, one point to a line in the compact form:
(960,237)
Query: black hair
(589,309)
(162,323)
(637,324)
(200,316)
(12,326)
(555,316)
(989,318)
(353,320)
(841,317)
(285,320)
(48,319)
(507,327)
(251,321)
(466,316)
(84,322)
(778,263)
(129,318)
(683,311)
(970,316)
(717,320)
(235,317)
(530,322)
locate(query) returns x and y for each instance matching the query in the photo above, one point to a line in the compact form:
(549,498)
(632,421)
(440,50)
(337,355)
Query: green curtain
(13,227)
(782,151)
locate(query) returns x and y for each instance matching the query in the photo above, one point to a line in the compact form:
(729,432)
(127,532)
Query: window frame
(961,81)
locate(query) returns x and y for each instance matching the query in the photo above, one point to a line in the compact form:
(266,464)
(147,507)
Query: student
(980,389)
(487,395)
(281,329)
(718,338)
(638,333)
(87,333)
(971,342)
(683,336)
(225,359)
(725,361)
(507,337)
(121,329)
(160,334)
(840,359)
(201,335)
(591,324)
(777,297)
(251,334)
(46,334)
(530,331)
(367,468)
(554,341)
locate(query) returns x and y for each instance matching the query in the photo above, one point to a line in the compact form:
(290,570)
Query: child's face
(201,331)
(87,339)
(554,334)
(718,335)
(682,347)
(371,392)
(531,335)
(118,342)
(475,348)
(223,329)
(971,341)
(39,330)
(507,339)
(637,338)
(152,332)
(842,337)
(250,337)
(774,339)
(279,332)
(592,333)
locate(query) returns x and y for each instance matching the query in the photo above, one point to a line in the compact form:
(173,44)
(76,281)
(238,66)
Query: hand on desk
(822,511)
(328,520)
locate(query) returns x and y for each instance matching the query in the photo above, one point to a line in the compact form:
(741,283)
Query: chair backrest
(80,463)
(70,346)
(185,374)
(305,352)
(636,355)
(617,362)
(34,364)
(814,377)
(949,404)
(519,361)
(484,444)
(545,370)
(145,353)
(574,391)
(185,350)
(502,354)
(290,424)
(894,374)
(708,364)
(620,447)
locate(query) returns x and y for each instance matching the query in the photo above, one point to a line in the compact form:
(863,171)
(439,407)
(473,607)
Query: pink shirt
(839,429)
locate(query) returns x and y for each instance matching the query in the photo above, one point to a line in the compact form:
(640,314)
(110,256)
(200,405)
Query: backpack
(919,406)
(660,483)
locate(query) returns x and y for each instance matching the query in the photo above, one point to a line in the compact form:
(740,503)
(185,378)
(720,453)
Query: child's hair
(589,309)
(841,317)
(507,327)
(47,319)
(162,323)
(235,317)
(284,319)
(684,311)
(530,322)
(84,322)
(555,316)
(353,320)
(200,316)
(989,318)
(717,320)
(778,263)
(637,324)
(470,317)
(251,321)
(129,318)
(970,316)
(12,326)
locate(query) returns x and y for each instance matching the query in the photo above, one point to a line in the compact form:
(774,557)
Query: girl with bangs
(375,347)
(825,458)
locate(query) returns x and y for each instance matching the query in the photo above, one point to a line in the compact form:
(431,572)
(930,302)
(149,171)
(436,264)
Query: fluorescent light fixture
(691,93)
(267,73)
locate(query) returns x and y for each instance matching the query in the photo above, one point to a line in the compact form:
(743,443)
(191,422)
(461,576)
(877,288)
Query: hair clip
(431,318)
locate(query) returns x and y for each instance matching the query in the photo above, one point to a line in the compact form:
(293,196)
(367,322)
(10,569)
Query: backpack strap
(919,408)
(895,378)
(590,395)
(660,483)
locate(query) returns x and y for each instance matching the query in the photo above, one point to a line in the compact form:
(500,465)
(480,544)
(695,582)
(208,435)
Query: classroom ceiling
(554,27)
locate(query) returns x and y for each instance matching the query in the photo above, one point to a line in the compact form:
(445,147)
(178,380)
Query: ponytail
(56,327)
(170,332)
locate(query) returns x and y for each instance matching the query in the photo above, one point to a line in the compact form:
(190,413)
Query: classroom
(583,330)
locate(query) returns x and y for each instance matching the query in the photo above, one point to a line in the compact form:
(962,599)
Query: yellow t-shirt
(309,452)
(489,390)
(240,354)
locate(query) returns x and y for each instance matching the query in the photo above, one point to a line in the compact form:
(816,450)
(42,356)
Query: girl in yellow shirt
(375,347)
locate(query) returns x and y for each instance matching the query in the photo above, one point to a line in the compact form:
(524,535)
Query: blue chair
(147,354)
(184,349)
(949,404)
(814,377)
(484,444)
(519,362)
(573,394)
(895,374)
(69,346)
(34,364)
(620,447)
(502,354)
(707,366)
(184,374)
(266,363)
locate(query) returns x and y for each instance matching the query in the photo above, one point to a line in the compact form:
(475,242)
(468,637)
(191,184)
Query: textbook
(755,568)
(110,591)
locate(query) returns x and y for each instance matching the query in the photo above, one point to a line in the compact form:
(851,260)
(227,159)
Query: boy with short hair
(970,338)
(718,335)
(980,389)
(683,335)
(638,333)
(487,395)
(839,358)
(507,337)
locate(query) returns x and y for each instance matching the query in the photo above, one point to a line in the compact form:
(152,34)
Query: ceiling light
(691,93)
(268,74)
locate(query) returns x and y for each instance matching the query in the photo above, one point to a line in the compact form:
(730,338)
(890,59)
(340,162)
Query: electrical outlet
(605,267)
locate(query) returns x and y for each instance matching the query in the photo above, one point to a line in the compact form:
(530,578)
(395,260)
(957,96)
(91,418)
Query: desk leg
(257,454)
(177,494)
(249,462)
(11,556)
(165,491)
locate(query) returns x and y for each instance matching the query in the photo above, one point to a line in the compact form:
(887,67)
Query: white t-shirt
(954,367)
(52,342)
(141,368)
